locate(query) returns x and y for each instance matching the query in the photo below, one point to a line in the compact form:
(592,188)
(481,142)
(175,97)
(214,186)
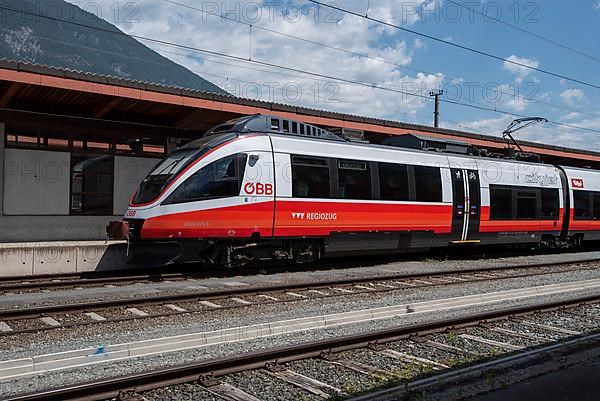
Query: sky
(363,67)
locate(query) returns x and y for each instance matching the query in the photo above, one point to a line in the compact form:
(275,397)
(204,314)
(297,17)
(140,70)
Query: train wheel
(306,252)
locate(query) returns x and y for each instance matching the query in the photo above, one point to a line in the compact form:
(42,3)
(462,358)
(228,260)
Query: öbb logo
(258,188)
(577,182)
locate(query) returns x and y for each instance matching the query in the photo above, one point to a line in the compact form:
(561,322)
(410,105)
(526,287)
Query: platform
(39,258)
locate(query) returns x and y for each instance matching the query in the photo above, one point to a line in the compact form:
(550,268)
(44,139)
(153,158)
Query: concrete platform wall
(38,258)
(54,228)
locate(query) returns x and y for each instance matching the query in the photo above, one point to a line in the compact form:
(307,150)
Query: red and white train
(264,187)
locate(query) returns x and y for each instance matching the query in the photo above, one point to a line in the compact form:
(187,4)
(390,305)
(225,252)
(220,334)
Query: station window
(219,179)
(92,184)
(22,140)
(80,143)
(393,182)
(500,203)
(310,177)
(428,184)
(550,203)
(354,179)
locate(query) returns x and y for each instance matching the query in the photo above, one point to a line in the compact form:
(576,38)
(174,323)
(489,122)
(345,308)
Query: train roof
(275,125)
(281,127)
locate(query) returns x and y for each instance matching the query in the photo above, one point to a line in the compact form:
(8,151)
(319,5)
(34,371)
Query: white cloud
(547,133)
(399,12)
(489,126)
(520,70)
(173,23)
(596,5)
(573,97)
(419,44)
(571,116)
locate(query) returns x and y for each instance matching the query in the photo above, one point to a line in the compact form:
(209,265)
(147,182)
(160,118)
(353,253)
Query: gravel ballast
(73,376)
(26,345)
(265,387)
(325,272)
(62,339)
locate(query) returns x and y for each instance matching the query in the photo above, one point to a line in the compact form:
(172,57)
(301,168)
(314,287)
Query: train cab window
(393,182)
(550,204)
(310,177)
(219,179)
(500,203)
(354,179)
(582,205)
(428,184)
(526,205)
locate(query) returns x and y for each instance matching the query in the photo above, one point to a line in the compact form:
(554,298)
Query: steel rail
(104,277)
(191,372)
(38,311)
(44,281)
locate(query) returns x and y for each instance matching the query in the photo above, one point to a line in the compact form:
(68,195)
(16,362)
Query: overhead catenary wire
(365,56)
(334,101)
(273,65)
(525,31)
(456,45)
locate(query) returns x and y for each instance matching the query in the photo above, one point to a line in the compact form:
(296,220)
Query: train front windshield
(161,175)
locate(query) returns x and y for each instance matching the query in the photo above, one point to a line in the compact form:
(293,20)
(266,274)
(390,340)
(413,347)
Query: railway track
(400,360)
(99,279)
(60,281)
(18,320)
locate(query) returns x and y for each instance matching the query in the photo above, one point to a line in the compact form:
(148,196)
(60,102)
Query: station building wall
(45,194)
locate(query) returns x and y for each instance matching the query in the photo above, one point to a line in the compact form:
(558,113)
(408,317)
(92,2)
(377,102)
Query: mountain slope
(106,50)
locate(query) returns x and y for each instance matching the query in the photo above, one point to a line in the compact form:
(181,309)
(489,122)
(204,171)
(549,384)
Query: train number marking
(257,188)
(577,182)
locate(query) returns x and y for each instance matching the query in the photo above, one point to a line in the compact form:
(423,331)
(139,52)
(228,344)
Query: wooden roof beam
(107,107)
(6,97)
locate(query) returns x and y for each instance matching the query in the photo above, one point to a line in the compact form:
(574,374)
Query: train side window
(428,184)
(354,179)
(526,204)
(582,205)
(310,177)
(596,205)
(219,179)
(550,203)
(500,203)
(393,182)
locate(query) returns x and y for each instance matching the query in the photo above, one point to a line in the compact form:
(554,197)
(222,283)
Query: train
(264,187)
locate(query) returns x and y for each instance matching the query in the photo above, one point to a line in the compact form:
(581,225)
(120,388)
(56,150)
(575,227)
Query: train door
(258,193)
(466,198)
